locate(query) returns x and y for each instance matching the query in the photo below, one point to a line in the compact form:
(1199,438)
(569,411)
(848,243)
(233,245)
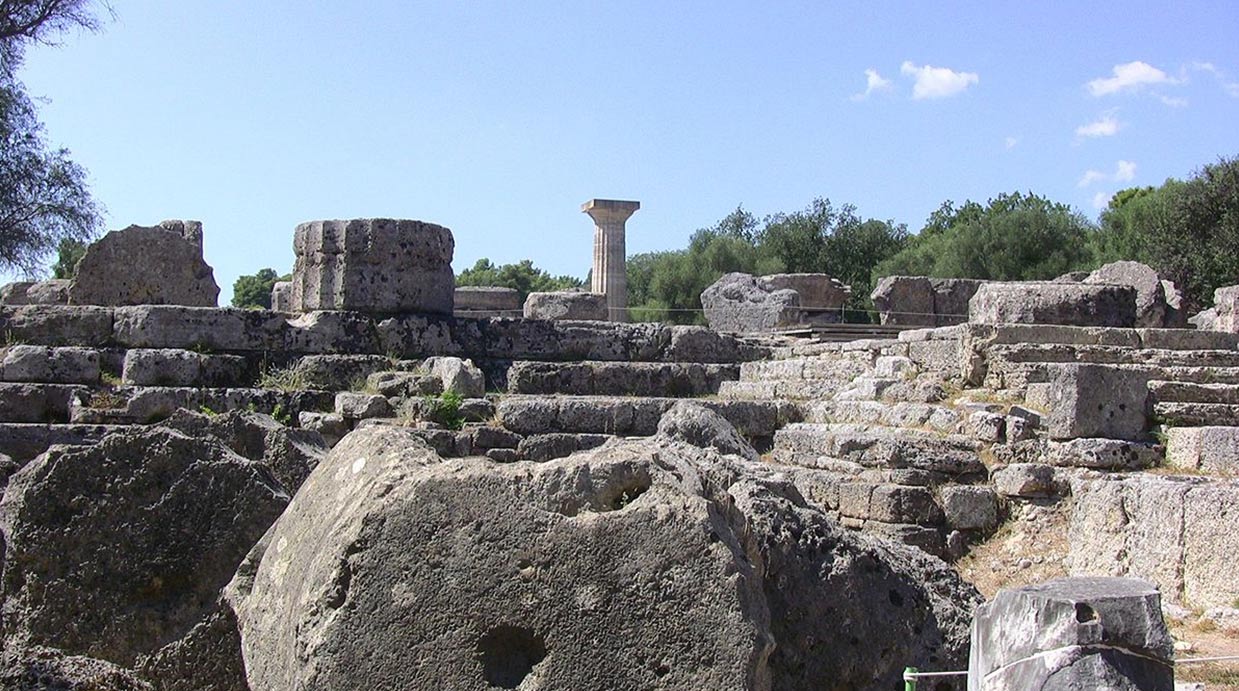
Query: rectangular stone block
(172,367)
(1043,302)
(1212,448)
(199,328)
(1097,401)
(68,365)
(56,325)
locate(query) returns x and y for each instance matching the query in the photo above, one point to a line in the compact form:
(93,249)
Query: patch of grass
(105,400)
(10,339)
(207,410)
(282,415)
(1213,675)
(289,378)
(445,410)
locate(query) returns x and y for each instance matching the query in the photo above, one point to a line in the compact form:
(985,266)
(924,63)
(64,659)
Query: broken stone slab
(46,403)
(51,365)
(1026,481)
(39,668)
(360,406)
(1104,454)
(969,507)
(376,265)
(631,532)
(114,550)
(567,305)
(50,292)
(626,416)
(199,328)
(923,301)
(332,426)
(457,376)
(1041,302)
(24,441)
(492,301)
(401,384)
(282,296)
(1210,449)
(1226,309)
(552,445)
(1072,633)
(57,325)
(743,303)
(340,372)
(695,424)
(173,367)
(1097,401)
(159,265)
(1152,305)
(688,379)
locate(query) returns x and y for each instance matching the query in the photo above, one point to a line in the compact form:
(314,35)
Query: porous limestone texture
(1226,309)
(1153,295)
(1182,533)
(641,564)
(923,301)
(1047,302)
(743,303)
(159,265)
(458,376)
(566,305)
(693,423)
(282,296)
(46,669)
(377,265)
(50,292)
(116,550)
(1209,448)
(1072,634)
(1097,401)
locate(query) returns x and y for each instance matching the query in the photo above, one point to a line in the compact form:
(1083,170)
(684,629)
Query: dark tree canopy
(254,291)
(68,253)
(39,21)
(523,277)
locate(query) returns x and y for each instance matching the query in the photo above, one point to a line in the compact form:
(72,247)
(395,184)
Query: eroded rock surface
(159,265)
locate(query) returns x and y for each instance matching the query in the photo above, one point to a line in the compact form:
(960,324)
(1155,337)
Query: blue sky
(498,120)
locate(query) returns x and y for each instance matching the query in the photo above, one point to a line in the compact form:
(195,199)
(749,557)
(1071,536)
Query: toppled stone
(691,422)
(1097,401)
(50,292)
(332,426)
(282,296)
(378,265)
(923,301)
(629,550)
(114,550)
(1226,309)
(359,406)
(458,376)
(1210,448)
(1026,481)
(566,305)
(744,303)
(1072,633)
(1152,305)
(174,367)
(47,669)
(969,507)
(986,426)
(65,365)
(1043,302)
(160,265)
(487,301)
(1104,454)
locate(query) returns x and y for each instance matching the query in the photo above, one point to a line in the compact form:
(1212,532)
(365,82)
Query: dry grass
(1030,547)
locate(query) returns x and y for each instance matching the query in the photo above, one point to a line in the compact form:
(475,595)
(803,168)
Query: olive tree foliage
(254,291)
(1187,230)
(43,194)
(1013,237)
(523,277)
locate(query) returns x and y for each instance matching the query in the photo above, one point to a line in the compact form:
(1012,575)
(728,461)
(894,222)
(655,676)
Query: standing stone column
(610,275)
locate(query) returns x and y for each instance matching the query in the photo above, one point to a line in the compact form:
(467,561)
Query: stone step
(127,405)
(598,378)
(878,447)
(631,417)
(1015,366)
(805,390)
(1206,449)
(24,441)
(42,403)
(929,416)
(829,367)
(1189,392)
(1165,339)
(1179,414)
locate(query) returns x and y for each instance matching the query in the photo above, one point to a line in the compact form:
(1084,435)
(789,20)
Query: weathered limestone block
(1043,302)
(923,301)
(546,447)
(969,507)
(207,658)
(199,328)
(332,426)
(692,423)
(560,571)
(1211,448)
(402,384)
(54,291)
(360,406)
(282,296)
(742,303)
(951,299)
(487,301)
(1180,532)
(1097,401)
(618,378)
(65,365)
(331,331)
(1103,454)
(458,376)
(1026,480)
(172,367)
(112,551)
(1152,306)
(375,265)
(160,265)
(39,668)
(567,305)
(24,402)
(339,372)
(1226,309)
(1072,633)
(57,325)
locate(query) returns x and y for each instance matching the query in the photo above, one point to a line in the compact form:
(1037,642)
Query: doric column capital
(609,211)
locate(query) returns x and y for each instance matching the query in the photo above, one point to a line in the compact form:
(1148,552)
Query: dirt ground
(1032,547)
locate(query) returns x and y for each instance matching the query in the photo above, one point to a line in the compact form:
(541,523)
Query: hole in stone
(895,598)
(1122,406)
(662,670)
(1084,613)
(623,496)
(508,655)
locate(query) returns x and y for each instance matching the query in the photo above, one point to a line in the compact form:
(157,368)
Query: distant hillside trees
(523,276)
(254,291)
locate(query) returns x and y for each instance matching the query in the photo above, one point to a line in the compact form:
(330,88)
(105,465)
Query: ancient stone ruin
(742,303)
(366,490)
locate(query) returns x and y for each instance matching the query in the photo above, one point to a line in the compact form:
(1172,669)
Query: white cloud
(1091,176)
(1130,76)
(873,82)
(1107,126)
(1231,88)
(1101,200)
(1011,142)
(1172,101)
(1125,172)
(937,82)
